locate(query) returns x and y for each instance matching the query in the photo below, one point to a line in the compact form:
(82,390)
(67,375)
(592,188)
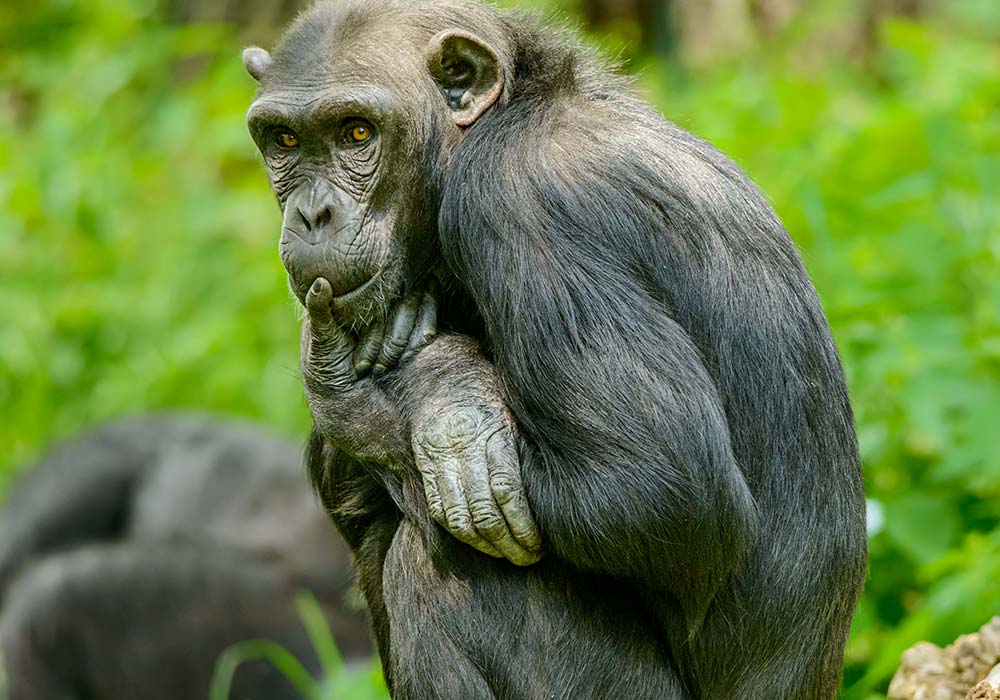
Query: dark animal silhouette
(577,408)
(132,556)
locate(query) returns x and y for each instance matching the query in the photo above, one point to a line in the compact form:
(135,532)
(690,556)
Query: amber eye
(288,139)
(359,133)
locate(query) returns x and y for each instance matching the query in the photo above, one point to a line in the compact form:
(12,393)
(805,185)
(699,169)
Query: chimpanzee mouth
(360,289)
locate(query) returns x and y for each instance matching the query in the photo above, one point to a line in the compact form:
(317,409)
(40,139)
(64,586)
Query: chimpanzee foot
(472,480)
(410,326)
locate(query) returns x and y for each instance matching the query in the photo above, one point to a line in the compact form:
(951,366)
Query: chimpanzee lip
(361,289)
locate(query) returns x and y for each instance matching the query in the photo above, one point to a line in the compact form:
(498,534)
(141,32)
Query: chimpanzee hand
(331,356)
(410,326)
(468,458)
(327,349)
(461,437)
(348,409)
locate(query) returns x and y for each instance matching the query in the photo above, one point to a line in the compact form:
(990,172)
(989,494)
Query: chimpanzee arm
(626,453)
(435,434)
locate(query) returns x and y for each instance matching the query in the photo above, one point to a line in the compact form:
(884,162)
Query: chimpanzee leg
(465,626)
(145,621)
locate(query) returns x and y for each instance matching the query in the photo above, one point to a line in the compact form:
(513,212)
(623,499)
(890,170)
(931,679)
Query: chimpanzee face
(352,136)
(326,159)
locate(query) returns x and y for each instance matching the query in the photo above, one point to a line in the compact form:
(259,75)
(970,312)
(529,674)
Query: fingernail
(363,366)
(379,369)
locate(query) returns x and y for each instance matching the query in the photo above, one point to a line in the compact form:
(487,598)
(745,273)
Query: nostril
(323,217)
(315,220)
(306,219)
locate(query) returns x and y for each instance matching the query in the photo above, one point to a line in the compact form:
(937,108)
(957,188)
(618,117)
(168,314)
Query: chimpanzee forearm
(435,432)
(368,414)
(632,482)
(627,457)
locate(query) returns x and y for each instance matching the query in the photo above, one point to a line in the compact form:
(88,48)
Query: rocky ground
(969,669)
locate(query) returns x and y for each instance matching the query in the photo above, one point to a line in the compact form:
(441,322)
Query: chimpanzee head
(357,114)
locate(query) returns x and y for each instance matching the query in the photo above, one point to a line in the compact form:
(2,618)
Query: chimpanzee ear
(257,62)
(467,72)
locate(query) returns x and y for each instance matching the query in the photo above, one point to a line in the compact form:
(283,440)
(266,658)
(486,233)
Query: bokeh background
(138,265)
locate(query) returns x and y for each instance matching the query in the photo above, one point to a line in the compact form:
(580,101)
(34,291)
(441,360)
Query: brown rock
(989,688)
(928,672)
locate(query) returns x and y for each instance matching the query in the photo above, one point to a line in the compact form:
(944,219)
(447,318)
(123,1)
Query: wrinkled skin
(349,244)
(462,441)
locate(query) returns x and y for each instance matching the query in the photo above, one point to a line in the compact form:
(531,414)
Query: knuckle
(462,420)
(488,520)
(394,345)
(506,487)
(462,425)
(426,468)
(437,511)
(531,539)
(432,496)
(459,521)
(433,443)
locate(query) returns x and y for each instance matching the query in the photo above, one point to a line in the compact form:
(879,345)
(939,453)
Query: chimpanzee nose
(318,210)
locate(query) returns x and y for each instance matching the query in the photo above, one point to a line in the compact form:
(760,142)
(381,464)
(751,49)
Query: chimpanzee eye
(358,132)
(287,139)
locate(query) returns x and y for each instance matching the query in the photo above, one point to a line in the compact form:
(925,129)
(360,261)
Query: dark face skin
(329,157)
(348,158)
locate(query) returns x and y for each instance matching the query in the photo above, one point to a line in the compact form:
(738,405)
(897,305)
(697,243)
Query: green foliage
(137,231)
(260,650)
(138,270)
(339,682)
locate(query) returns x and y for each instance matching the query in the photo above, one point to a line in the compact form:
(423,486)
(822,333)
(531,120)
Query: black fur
(686,440)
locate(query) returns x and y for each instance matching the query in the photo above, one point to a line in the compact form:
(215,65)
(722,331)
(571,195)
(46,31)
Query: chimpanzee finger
(458,516)
(318,304)
(329,347)
(425,329)
(429,478)
(397,336)
(508,490)
(487,517)
(368,348)
(433,457)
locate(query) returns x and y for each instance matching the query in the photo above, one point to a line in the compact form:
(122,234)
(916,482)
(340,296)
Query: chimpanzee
(577,409)
(133,555)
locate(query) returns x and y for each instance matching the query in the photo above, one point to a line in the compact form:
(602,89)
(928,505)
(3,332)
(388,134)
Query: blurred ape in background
(132,556)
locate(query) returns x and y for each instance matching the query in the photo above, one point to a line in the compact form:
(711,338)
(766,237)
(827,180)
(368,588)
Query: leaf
(923,525)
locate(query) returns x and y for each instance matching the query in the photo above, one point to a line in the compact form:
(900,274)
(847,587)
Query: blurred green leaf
(260,650)
(319,634)
(924,526)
